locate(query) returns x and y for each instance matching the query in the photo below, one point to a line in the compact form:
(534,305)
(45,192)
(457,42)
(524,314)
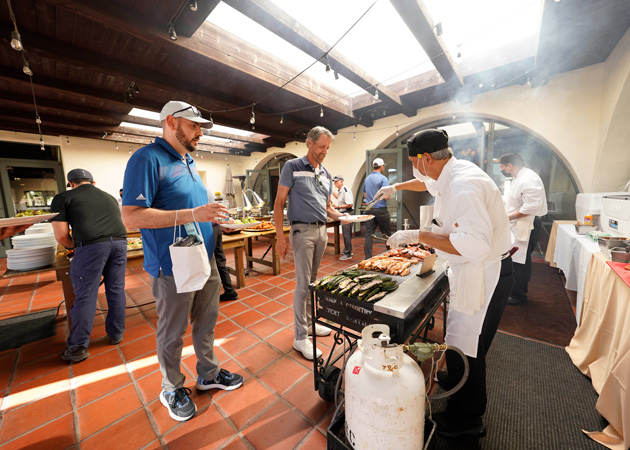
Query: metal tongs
(374,201)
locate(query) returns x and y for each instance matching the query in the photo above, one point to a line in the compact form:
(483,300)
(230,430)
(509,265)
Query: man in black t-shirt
(99,240)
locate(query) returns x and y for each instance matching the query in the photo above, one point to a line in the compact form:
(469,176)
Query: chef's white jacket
(469,208)
(527,196)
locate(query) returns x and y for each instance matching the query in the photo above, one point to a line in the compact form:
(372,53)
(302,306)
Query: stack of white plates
(34,240)
(40,228)
(31,257)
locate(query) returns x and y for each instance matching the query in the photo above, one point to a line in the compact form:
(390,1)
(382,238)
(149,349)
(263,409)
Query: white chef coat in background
(469,207)
(527,196)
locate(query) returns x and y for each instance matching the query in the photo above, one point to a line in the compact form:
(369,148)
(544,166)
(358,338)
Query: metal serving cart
(409,312)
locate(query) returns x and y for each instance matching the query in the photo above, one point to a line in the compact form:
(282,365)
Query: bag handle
(177,228)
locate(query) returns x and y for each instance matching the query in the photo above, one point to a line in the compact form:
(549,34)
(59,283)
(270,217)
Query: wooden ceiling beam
(190,21)
(204,45)
(414,13)
(280,23)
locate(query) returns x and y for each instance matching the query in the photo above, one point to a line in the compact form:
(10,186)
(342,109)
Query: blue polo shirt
(309,191)
(158,177)
(373,182)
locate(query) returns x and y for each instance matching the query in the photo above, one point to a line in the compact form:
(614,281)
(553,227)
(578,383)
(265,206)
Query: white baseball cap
(185,110)
(378,162)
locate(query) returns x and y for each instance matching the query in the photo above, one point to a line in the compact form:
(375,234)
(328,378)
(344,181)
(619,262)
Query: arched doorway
(483,140)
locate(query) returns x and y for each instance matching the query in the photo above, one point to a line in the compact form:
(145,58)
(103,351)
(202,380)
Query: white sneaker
(345,257)
(305,347)
(320,330)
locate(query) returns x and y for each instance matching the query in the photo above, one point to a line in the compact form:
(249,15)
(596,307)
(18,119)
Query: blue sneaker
(180,405)
(224,380)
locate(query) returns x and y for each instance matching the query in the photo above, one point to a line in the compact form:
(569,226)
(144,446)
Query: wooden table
(269,235)
(236,242)
(61,266)
(135,258)
(336,241)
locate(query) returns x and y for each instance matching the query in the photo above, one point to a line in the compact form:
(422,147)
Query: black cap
(427,141)
(79,174)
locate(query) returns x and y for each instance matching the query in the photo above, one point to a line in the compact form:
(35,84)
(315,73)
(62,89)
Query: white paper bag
(191,266)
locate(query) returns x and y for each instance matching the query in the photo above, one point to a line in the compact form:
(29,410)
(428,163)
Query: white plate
(240,226)
(13,221)
(362,218)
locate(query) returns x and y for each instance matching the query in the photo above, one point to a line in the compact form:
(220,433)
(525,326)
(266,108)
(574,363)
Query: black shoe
(228,295)
(115,341)
(449,426)
(223,380)
(80,354)
(516,301)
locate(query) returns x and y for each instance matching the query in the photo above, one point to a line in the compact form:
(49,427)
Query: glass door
(28,185)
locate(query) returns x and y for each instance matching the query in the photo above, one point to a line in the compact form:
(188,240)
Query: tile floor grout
(309,425)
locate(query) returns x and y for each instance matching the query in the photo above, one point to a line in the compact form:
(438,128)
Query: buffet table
(600,349)
(572,255)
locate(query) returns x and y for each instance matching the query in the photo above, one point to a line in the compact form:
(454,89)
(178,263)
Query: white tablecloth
(573,255)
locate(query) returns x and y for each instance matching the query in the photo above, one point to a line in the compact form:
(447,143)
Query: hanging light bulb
(197,155)
(459,51)
(171,32)
(201,156)
(252,119)
(130,150)
(328,68)
(321,111)
(193,5)
(16,41)
(38,121)
(355,136)
(375,94)
(282,119)
(68,140)
(41,141)
(116,145)
(396,130)
(27,69)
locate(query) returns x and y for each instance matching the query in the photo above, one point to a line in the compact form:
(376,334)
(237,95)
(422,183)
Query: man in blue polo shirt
(162,189)
(373,183)
(308,185)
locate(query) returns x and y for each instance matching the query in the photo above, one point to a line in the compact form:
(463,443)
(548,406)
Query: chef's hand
(386,191)
(282,246)
(212,212)
(403,237)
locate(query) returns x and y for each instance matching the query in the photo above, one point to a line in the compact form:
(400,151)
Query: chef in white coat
(525,203)
(471,232)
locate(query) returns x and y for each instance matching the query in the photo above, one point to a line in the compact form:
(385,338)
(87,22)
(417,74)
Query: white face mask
(418,175)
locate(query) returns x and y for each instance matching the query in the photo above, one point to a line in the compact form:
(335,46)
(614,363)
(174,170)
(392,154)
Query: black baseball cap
(427,141)
(78,174)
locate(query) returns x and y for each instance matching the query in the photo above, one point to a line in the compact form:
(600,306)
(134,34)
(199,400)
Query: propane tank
(384,395)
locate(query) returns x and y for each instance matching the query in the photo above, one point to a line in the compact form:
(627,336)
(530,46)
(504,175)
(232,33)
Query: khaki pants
(173,310)
(308,243)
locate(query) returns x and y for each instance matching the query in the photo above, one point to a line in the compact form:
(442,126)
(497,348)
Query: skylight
(381,43)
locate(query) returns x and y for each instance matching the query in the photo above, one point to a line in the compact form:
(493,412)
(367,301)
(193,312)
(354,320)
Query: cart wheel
(328,383)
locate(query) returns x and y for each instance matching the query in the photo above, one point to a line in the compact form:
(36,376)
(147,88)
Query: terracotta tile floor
(110,401)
